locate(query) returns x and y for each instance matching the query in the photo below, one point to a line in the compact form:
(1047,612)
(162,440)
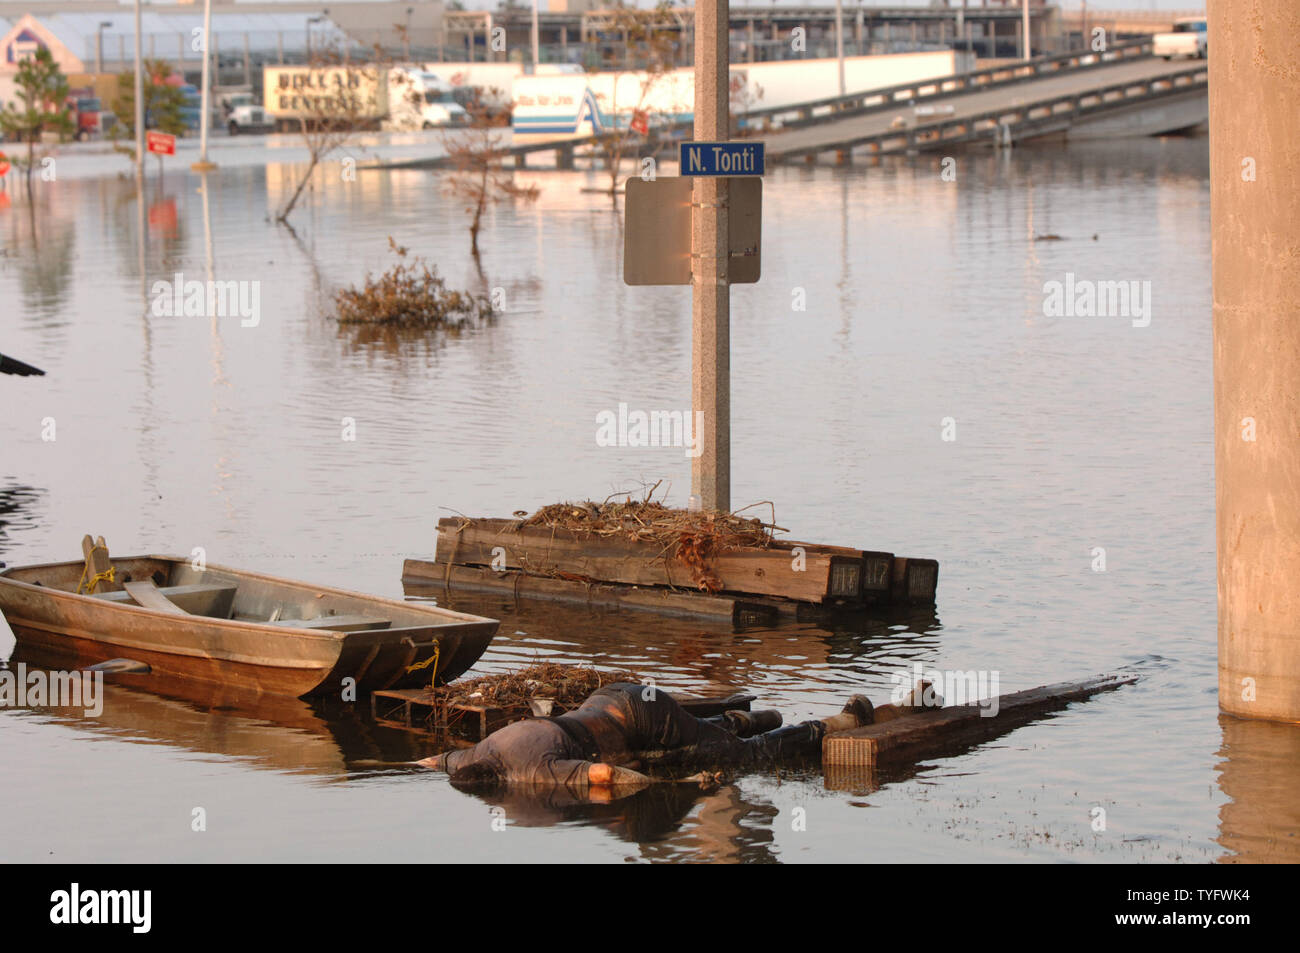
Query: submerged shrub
(410,294)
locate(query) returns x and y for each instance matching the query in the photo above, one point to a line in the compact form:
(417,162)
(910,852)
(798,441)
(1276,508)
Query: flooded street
(924,301)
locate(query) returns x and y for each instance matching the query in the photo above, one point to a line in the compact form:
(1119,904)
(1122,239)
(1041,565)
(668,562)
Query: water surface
(924,301)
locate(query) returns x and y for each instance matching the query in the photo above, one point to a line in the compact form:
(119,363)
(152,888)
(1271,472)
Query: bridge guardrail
(875,100)
(966,128)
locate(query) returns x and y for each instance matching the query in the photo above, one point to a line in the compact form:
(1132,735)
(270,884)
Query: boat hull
(76,630)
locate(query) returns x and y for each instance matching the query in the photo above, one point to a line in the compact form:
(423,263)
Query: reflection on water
(924,301)
(20,507)
(1259,774)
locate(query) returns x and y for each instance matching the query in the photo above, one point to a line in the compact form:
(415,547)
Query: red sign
(4,164)
(640,122)
(163,143)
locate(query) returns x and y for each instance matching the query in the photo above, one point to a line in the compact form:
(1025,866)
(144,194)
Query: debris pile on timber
(690,537)
(567,685)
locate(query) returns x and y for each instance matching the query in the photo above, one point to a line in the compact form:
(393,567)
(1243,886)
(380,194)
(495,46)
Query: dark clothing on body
(622,725)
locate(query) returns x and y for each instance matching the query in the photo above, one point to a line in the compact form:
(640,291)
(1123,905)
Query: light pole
(536,38)
(99,46)
(1024,23)
(839,40)
(205,94)
(310,21)
(406,37)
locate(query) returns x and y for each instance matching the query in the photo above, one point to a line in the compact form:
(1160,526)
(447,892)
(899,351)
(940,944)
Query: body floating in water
(622,728)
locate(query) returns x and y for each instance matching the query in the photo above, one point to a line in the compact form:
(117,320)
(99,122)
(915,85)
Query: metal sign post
(710,284)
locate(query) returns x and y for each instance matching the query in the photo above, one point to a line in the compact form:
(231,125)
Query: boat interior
(174,586)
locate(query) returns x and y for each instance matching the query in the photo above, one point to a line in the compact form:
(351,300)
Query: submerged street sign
(721,158)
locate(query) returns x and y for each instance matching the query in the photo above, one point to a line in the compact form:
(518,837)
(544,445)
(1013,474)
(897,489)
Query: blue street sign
(721,158)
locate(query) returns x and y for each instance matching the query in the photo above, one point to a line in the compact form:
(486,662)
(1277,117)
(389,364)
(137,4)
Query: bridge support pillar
(1255,222)
(564,158)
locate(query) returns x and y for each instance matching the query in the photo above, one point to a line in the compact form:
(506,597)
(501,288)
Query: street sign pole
(710,259)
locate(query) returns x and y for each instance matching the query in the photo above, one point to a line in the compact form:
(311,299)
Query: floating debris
(567,685)
(691,537)
(410,294)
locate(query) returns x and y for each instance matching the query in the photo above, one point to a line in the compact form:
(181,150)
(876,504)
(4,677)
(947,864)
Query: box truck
(366,97)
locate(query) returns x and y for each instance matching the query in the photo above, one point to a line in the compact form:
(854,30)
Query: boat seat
(339,623)
(214,600)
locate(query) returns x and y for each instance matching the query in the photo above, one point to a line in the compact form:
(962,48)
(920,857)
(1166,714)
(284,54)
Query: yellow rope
(431,660)
(97,578)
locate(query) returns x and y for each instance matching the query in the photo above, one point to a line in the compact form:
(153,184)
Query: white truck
(1187,39)
(420,99)
(396,98)
(242,115)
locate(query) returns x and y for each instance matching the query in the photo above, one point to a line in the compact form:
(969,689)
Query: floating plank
(929,732)
(740,612)
(819,574)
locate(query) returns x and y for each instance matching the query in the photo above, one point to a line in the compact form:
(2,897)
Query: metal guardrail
(976,81)
(1037,118)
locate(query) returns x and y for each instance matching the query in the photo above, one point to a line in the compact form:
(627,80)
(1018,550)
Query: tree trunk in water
(302,184)
(31,161)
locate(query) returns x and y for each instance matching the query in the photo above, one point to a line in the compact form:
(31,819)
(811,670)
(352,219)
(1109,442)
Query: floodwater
(923,301)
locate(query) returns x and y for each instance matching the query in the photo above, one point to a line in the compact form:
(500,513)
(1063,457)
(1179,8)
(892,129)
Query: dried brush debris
(568,685)
(690,537)
(410,294)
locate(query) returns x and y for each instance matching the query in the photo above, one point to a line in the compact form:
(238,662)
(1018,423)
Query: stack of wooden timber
(501,554)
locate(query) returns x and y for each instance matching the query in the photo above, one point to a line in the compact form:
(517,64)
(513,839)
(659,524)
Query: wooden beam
(821,574)
(740,612)
(928,733)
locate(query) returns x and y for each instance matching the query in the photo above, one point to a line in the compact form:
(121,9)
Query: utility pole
(710,283)
(205,94)
(139,100)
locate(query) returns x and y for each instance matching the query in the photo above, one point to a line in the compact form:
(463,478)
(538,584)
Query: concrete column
(1255,229)
(710,265)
